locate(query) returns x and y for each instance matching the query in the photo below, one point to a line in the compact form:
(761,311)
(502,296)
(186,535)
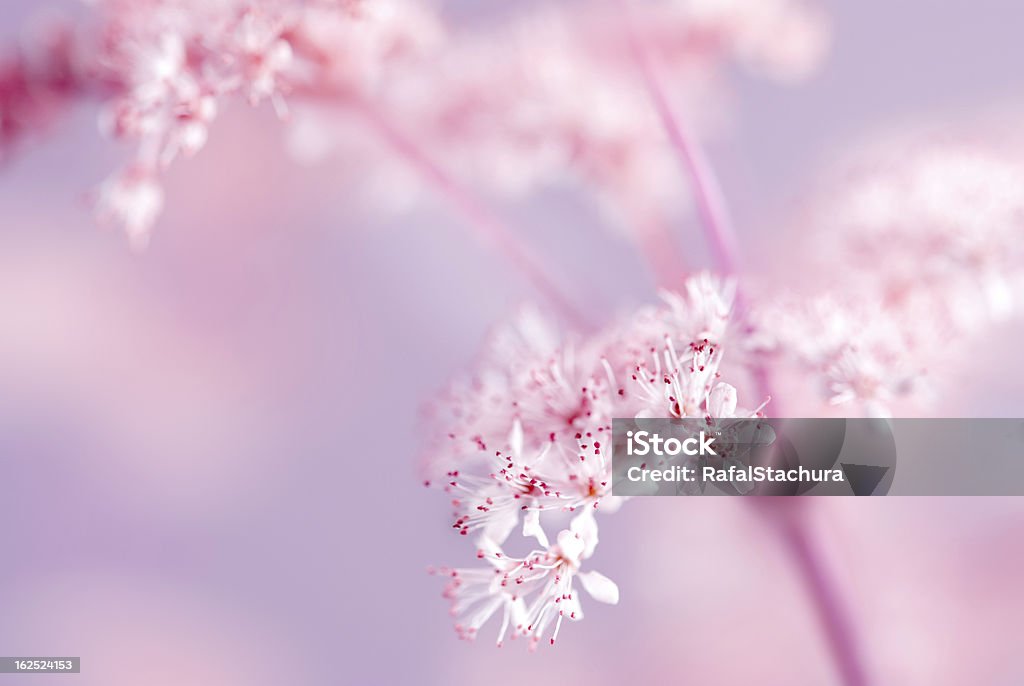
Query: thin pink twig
(711,204)
(832,612)
(656,244)
(488,225)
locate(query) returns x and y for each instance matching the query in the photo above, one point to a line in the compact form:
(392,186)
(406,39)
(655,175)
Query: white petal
(479,616)
(610,504)
(600,587)
(498,528)
(518,612)
(570,545)
(515,439)
(722,402)
(999,296)
(491,550)
(532,527)
(584,525)
(571,608)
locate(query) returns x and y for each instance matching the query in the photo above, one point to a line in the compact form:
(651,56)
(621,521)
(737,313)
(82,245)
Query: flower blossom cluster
(513,108)
(956,207)
(927,233)
(552,97)
(935,260)
(165,69)
(783,39)
(528,442)
(35,84)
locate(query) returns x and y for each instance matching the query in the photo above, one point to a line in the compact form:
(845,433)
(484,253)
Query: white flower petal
(722,402)
(532,527)
(571,608)
(610,504)
(600,587)
(515,438)
(491,551)
(499,527)
(570,545)
(584,525)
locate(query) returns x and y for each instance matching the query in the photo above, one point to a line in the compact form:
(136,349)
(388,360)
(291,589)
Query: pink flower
(858,354)
(562,388)
(131,199)
(928,235)
(165,68)
(534,593)
(552,99)
(36,82)
(783,39)
(547,101)
(552,479)
(265,56)
(934,225)
(530,436)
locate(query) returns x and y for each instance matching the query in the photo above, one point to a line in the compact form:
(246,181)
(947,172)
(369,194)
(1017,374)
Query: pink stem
(832,613)
(487,225)
(711,206)
(656,244)
(664,264)
(762,376)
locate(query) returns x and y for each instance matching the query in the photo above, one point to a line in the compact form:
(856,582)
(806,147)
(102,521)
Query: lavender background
(207,451)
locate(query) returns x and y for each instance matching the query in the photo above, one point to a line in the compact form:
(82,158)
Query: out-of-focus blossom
(782,39)
(164,70)
(552,98)
(933,225)
(858,355)
(529,106)
(36,82)
(358,51)
(553,384)
(131,199)
(927,234)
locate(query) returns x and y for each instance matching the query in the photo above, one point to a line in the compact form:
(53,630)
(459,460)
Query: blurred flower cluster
(164,69)
(549,98)
(925,233)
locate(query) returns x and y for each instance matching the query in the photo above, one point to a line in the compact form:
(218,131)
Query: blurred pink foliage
(163,70)
(925,231)
(510,107)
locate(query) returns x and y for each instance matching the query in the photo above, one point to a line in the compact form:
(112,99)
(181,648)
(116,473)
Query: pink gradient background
(207,450)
